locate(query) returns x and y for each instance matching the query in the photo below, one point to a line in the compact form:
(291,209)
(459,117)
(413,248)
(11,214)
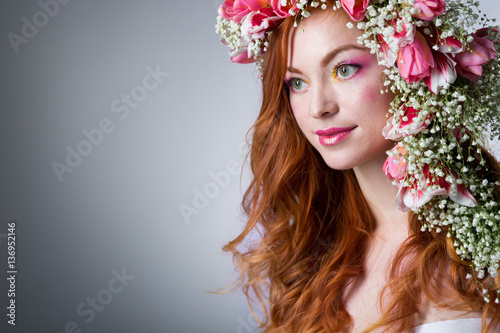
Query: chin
(349,162)
(339,164)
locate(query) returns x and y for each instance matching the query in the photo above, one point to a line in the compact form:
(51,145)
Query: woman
(335,254)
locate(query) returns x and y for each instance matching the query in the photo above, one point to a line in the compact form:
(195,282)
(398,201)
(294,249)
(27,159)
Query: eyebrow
(332,54)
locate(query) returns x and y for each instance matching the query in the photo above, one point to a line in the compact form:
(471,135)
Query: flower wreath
(445,75)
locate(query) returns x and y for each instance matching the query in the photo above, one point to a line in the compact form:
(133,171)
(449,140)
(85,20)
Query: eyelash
(336,70)
(289,82)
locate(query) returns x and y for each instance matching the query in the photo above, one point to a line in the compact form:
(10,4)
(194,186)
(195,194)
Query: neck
(379,193)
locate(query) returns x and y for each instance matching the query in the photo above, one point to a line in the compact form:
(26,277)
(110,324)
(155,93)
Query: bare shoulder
(432,314)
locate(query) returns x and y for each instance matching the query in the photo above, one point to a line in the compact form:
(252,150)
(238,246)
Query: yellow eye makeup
(344,71)
(295,84)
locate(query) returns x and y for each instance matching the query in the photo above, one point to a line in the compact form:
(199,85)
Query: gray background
(120,207)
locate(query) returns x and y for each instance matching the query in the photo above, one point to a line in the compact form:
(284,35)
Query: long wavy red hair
(313,225)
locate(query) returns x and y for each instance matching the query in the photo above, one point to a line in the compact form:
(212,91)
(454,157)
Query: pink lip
(334,135)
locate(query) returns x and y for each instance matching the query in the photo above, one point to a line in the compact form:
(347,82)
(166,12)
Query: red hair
(314,224)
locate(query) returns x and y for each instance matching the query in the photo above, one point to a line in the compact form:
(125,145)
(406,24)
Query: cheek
(302,121)
(370,85)
(299,111)
(371,93)
(372,97)
(295,104)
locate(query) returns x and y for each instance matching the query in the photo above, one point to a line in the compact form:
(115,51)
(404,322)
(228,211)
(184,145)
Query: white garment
(464,325)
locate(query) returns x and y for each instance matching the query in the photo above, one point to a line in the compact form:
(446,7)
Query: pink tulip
(236,10)
(445,45)
(256,17)
(355,8)
(394,167)
(255,24)
(450,45)
(396,130)
(443,72)
(469,62)
(412,198)
(463,196)
(429,9)
(415,60)
(399,40)
(241,56)
(389,50)
(281,11)
(406,35)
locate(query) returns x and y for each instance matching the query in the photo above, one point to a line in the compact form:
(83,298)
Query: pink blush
(371,90)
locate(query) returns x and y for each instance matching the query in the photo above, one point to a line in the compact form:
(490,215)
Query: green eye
(297,84)
(345,71)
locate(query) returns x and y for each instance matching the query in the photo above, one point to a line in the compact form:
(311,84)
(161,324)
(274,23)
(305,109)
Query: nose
(324,102)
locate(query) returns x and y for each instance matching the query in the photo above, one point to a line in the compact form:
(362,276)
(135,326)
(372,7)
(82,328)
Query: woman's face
(335,94)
